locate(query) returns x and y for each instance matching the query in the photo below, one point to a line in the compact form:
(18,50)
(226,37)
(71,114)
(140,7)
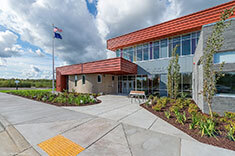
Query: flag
(57,29)
(57,35)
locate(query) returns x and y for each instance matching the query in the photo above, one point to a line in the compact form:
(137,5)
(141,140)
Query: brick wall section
(185,24)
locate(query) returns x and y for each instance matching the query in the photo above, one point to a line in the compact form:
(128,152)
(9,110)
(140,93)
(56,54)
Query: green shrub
(167,114)
(230,115)
(207,127)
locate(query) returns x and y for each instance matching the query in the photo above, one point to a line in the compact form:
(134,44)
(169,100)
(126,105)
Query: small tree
(213,45)
(173,74)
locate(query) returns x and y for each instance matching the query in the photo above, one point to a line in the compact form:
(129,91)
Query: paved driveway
(100,136)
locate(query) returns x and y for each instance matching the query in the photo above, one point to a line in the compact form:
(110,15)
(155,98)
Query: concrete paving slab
(18,139)
(1,127)
(144,142)
(91,131)
(30,114)
(7,146)
(61,115)
(141,118)
(200,149)
(166,128)
(39,132)
(121,113)
(29,152)
(112,144)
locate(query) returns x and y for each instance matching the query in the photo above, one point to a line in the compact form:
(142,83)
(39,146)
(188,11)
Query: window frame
(83,79)
(99,75)
(75,80)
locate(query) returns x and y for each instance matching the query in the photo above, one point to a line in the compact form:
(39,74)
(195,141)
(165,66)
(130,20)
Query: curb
(21,143)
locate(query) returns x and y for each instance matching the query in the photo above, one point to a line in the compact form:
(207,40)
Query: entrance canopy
(114,66)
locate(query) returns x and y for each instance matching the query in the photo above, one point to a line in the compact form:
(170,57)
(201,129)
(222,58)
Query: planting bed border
(194,133)
(60,104)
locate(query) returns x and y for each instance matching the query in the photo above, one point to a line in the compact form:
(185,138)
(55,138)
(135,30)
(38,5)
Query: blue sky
(25,29)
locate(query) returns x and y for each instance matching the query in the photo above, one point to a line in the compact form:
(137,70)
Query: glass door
(124,87)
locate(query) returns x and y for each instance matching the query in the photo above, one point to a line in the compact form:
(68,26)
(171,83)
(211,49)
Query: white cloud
(8,46)
(119,17)
(3,62)
(33,21)
(39,52)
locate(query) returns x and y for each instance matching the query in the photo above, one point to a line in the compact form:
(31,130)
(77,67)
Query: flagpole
(53,45)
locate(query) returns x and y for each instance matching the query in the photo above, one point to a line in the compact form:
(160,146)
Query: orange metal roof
(185,24)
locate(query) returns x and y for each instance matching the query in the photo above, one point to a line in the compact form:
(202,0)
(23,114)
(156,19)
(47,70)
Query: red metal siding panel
(185,24)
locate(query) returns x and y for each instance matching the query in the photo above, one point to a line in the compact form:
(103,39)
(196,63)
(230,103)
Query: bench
(137,94)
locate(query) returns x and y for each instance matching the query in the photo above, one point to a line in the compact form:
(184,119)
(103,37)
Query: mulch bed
(220,140)
(60,104)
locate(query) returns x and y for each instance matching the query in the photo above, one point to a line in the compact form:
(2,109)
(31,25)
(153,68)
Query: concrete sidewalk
(100,136)
(121,109)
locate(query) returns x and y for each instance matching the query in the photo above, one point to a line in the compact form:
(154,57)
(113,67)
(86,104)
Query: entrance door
(130,86)
(124,87)
(127,86)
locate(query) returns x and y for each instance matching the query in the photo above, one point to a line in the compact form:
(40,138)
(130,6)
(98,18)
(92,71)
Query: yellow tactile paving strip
(60,146)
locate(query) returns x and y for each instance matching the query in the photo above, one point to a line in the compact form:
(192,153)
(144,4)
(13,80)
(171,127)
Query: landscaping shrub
(62,98)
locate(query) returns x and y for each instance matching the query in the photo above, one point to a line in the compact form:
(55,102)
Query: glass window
(139,53)
(146,51)
(187,82)
(139,82)
(113,78)
(151,50)
(118,53)
(156,50)
(125,54)
(99,78)
(163,51)
(156,82)
(170,47)
(83,79)
(186,45)
(150,84)
(130,54)
(226,84)
(194,45)
(145,83)
(76,80)
(177,41)
(226,57)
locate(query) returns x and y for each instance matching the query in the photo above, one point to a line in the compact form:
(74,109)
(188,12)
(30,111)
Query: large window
(170,47)
(226,84)
(156,83)
(177,41)
(163,51)
(156,49)
(118,53)
(226,57)
(146,51)
(139,53)
(186,45)
(150,50)
(130,54)
(139,82)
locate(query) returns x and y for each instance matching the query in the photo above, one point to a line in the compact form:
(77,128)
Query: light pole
(53,44)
